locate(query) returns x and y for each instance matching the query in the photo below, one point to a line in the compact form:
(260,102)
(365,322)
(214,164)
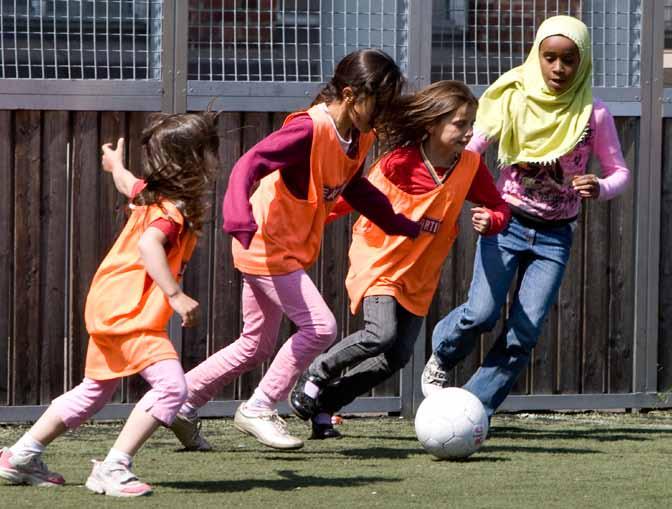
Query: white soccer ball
(451,423)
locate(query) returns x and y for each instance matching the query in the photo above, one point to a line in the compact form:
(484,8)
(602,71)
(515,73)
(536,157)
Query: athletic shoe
(324,431)
(188,432)
(303,405)
(267,427)
(434,377)
(27,469)
(115,480)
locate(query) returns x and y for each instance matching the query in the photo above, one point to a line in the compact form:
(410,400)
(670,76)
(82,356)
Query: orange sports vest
(401,267)
(289,232)
(126,324)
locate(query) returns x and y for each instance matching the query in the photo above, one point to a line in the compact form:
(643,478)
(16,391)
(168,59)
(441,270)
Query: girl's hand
(186,307)
(588,186)
(113,158)
(480,218)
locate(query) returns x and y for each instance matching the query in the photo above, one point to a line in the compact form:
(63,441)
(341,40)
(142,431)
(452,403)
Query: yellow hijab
(532,124)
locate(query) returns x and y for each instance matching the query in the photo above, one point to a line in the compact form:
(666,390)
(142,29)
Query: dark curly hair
(179,163)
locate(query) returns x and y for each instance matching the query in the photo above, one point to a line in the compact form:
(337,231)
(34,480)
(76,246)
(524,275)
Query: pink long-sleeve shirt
(545,191)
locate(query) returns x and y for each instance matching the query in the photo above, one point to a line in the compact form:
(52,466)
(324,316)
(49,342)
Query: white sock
(189,411)
(117,456)
(27,445)
(259,402)
(311,390)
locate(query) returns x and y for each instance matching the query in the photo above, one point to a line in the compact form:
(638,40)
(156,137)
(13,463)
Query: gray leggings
(370,355)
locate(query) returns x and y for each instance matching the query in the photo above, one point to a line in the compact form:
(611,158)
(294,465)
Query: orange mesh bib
(290,230)
(408,269)
(126,323)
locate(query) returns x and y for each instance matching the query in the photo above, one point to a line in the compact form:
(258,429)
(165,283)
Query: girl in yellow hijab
(548,124)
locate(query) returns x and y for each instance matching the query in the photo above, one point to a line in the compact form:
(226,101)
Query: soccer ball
(451,423)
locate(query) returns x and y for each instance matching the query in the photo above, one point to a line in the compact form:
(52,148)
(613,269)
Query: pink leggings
(265,299)
(162,401)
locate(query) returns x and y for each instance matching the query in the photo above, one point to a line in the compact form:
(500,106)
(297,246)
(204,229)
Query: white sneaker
(188,432)
(115,480)
(267,427)
(434,377)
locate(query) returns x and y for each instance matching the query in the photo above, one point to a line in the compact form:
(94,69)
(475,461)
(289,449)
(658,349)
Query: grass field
(550,460)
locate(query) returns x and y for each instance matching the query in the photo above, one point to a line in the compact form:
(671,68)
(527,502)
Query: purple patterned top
(545,191)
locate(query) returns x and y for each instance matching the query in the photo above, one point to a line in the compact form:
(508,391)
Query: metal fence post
(647,245)
(419,74)
(175,56)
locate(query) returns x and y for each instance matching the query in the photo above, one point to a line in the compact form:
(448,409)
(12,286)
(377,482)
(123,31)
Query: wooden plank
(595,295)
(53,301)
(570,319)
(665,287)
(85,220)
(543,359)
(130,125)
(257,125)
(621,262)
(287,328)
(6,249)
(226,312)
(27,231)
(464,251)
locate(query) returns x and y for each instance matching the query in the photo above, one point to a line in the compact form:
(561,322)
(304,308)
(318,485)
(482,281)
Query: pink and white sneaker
(27,469)
(115,480)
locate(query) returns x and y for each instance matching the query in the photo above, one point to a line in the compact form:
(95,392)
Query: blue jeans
(539,256)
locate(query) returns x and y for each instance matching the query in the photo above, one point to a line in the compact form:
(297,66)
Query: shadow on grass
(291,481)
(538,450)
(597,434)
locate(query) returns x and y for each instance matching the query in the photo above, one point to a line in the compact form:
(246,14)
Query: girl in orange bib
(426,175)
(132,296)
(302,169)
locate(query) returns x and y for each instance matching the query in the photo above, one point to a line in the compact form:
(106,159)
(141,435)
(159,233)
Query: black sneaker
(301,404)
(324,431)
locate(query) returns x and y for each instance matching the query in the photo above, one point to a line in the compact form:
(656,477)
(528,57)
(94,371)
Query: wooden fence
(59,213)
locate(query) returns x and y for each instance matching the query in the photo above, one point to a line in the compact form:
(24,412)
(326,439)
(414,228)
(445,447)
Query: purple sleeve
(607,149)
(370,201)
(288,147)
(478,143)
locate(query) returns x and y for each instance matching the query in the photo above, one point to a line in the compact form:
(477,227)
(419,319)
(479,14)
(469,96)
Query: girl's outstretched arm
(113,162)
(151,247)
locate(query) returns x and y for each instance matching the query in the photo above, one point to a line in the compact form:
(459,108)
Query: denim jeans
(539,256)
(371,355)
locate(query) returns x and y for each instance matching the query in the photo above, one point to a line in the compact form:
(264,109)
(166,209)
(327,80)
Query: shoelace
(197,430)
(276,419)
(125,476)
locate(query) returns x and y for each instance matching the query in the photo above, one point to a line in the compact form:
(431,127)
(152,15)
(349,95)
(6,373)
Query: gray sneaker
(27,469)
(434,377)
(267,427)
(115,480)
(188,432)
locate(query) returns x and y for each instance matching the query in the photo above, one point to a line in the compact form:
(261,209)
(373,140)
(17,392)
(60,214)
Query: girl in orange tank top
(132,296)
(427,176)
(277,236)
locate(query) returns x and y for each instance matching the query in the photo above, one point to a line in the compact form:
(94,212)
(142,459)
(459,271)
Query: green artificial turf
(550,460)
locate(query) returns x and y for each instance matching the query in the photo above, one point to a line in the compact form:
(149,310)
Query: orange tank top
(127,320)
(409,269)
(289,232)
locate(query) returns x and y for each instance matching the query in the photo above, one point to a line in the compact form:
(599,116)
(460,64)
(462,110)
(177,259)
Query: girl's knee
(326,329)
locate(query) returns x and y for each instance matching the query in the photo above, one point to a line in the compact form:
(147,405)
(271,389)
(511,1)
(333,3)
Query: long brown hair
(414,113)
(370,73)
(179,163)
